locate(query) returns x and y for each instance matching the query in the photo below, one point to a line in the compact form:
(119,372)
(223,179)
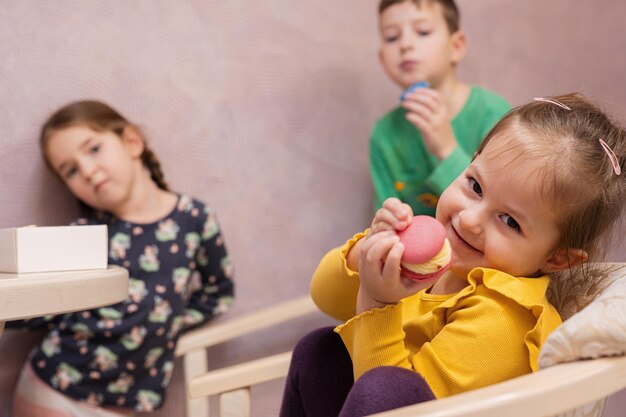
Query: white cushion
(597,330)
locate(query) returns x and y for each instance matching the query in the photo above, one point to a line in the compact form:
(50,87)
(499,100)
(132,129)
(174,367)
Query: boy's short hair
(450,10)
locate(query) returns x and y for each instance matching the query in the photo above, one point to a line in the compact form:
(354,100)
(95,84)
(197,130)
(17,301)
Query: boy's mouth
(408,64)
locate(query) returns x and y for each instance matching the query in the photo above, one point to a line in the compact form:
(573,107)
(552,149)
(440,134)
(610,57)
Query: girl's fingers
(392,202)
(372,238)
(391,268)
(375,253)
(381,227)
(395,206)
(397,213)
(384,218)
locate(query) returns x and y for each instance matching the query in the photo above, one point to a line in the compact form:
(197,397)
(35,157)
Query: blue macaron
(419,84)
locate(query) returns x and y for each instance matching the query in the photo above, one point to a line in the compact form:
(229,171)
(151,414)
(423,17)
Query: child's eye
(95,148)
(511,222)
(422,29)
(391,34)
(475,186)
(70,172)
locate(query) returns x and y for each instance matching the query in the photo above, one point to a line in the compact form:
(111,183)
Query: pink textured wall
(263,109)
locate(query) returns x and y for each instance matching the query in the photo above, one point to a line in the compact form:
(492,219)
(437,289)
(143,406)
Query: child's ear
(563,259)
(133,141)
(458,44)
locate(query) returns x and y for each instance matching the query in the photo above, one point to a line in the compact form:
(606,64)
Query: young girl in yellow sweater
(542,192)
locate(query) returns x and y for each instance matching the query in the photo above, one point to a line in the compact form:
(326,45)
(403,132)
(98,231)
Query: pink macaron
(423,240)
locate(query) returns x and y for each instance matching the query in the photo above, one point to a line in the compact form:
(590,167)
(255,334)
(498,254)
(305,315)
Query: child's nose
(87,169)
(471,220)
(406,40)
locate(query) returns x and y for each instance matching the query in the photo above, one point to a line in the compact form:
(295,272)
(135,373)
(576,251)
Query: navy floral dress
(122,355)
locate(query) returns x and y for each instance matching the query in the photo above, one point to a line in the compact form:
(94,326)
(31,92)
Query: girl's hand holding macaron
(395,235)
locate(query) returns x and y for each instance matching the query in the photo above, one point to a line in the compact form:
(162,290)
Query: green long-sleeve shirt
(402,167)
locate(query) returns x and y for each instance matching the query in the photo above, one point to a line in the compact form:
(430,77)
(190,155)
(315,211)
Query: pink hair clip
(549,100)
(609,152)
(614,161)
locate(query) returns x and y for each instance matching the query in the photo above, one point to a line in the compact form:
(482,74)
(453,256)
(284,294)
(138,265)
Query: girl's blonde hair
(577,175)
(99,117)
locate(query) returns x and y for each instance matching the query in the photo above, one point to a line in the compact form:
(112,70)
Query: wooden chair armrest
(547,392)
(240,376)
(192,345)
(550,391)
(215,333)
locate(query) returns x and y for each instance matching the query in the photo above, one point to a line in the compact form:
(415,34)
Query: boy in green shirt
(418,148)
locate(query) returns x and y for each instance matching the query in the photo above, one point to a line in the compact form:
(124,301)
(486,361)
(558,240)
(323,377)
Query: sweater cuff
(346,248)
(375,338)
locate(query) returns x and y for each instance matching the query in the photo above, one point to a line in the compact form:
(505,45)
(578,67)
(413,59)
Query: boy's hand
(427,110)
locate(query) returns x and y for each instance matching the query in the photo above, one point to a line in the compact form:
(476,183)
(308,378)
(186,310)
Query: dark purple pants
(320,382)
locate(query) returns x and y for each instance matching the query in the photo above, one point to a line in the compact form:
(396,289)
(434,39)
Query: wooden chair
(192,345)
(576,377)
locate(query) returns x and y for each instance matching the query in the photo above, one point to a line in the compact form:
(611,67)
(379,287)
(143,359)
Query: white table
(39,294)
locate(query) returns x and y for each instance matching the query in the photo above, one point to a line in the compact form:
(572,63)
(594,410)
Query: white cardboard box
(56,248)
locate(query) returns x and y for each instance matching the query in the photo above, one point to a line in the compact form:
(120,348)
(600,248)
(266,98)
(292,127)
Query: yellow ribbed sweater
(490,331)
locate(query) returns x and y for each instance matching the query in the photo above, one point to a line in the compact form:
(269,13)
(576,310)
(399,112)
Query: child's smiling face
(416,44)
(496,216)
